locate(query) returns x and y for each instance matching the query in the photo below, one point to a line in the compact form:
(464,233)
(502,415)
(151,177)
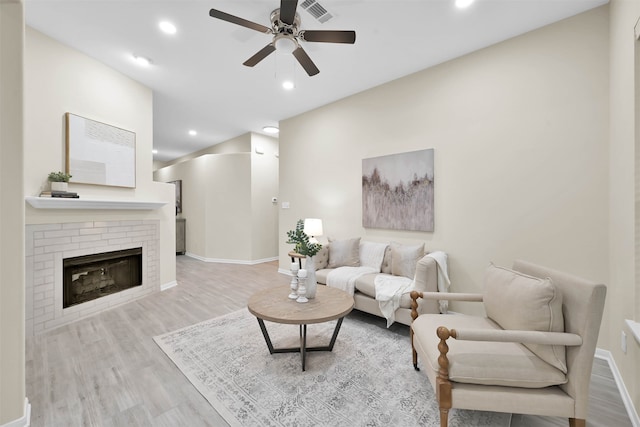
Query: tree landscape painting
(397,191)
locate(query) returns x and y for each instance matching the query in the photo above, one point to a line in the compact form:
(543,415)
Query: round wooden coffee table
(274,305)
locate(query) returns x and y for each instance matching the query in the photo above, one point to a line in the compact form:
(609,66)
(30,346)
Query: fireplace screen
(93,276)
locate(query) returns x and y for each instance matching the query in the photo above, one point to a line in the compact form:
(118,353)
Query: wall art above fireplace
(98,153)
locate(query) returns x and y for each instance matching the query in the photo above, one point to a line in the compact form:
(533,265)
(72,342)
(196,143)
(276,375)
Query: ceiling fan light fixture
(271,130)
(285,44)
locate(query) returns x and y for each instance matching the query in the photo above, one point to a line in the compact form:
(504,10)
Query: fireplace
(88,277)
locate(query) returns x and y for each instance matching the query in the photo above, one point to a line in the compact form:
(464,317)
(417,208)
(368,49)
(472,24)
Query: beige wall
(59,79)
(228,232)
(520,133)
(12,290)
(226,200)
(264,186)
(239,144)
(624,284)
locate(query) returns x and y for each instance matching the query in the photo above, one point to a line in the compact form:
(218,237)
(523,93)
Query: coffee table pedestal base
(303,341)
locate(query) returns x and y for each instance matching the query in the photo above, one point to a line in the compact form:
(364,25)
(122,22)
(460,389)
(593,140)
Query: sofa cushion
(488,363)
(404,259)
(344,253)
(520,302)
(372,254)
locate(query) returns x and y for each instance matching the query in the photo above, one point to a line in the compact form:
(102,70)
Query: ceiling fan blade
(288,11)
(328,36)
(262,53)
(239,21)
(306,62)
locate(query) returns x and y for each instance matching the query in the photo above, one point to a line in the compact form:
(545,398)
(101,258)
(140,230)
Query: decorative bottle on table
(312,284)
(302,288)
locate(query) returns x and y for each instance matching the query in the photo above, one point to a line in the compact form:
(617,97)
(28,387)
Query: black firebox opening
(88,277)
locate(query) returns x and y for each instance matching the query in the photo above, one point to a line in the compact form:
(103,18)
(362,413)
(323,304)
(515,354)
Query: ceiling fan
(285,29)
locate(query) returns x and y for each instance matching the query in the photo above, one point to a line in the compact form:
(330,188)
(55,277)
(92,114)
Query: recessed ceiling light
(142,61)
(462,4)
(271,129)
(154,151)
(288,85)
(193,133)
(167,27)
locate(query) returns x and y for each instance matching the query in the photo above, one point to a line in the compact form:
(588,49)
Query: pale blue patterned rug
(368,379)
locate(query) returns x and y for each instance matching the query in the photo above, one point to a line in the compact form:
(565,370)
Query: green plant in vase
(59,181)
(304,247)
(59,177)
(299,238)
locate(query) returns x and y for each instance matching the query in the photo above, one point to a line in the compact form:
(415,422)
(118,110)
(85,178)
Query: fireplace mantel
(63,203)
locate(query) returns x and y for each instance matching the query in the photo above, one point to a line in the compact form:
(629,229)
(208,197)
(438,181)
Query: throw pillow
(322,258)
(385,268)
(520,302)
(344,253)
(404,259)
(372,254)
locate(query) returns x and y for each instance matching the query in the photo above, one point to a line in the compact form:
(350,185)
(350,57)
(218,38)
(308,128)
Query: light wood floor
(107,371)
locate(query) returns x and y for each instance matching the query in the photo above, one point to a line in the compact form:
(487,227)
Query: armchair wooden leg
(577,422)
(414,315)
(444,417)
(413,350)
(443,385)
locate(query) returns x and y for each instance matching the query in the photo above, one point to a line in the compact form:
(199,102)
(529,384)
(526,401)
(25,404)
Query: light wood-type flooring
(106,370)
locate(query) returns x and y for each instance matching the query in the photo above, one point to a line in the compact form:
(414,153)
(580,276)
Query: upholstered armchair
(531,354)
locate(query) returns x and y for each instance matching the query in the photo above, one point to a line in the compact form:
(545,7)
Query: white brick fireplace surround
(47,245)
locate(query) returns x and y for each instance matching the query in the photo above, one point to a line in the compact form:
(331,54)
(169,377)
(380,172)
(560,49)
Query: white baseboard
(168,285)
(25,420)
(622,389)
(231,261)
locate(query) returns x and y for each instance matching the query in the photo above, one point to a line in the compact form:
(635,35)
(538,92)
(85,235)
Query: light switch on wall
(285,205)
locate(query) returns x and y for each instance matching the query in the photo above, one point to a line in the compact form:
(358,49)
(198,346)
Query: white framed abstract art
(397,191)
(98,153)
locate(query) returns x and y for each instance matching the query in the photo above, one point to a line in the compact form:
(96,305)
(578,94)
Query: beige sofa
(425,276)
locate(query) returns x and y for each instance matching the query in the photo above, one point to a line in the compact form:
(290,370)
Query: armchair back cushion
(517,301)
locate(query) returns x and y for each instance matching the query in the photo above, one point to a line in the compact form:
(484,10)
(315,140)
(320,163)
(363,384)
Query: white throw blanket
(344,278)
(389,290)
(443,277)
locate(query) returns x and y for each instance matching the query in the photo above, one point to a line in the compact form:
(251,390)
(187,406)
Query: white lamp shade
(313,227)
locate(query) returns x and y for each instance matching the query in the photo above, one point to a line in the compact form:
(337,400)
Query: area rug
(367,380)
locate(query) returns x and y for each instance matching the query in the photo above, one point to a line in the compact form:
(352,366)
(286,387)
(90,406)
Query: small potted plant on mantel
(59,181)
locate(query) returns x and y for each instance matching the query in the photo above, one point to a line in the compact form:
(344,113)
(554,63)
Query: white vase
(312,285)
(59,186)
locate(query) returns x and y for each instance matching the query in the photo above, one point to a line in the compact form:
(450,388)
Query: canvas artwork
(397,191)
(98,153)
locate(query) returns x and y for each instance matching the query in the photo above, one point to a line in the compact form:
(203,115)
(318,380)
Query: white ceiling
(197,75)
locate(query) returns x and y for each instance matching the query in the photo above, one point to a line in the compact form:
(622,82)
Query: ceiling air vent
(316,10)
